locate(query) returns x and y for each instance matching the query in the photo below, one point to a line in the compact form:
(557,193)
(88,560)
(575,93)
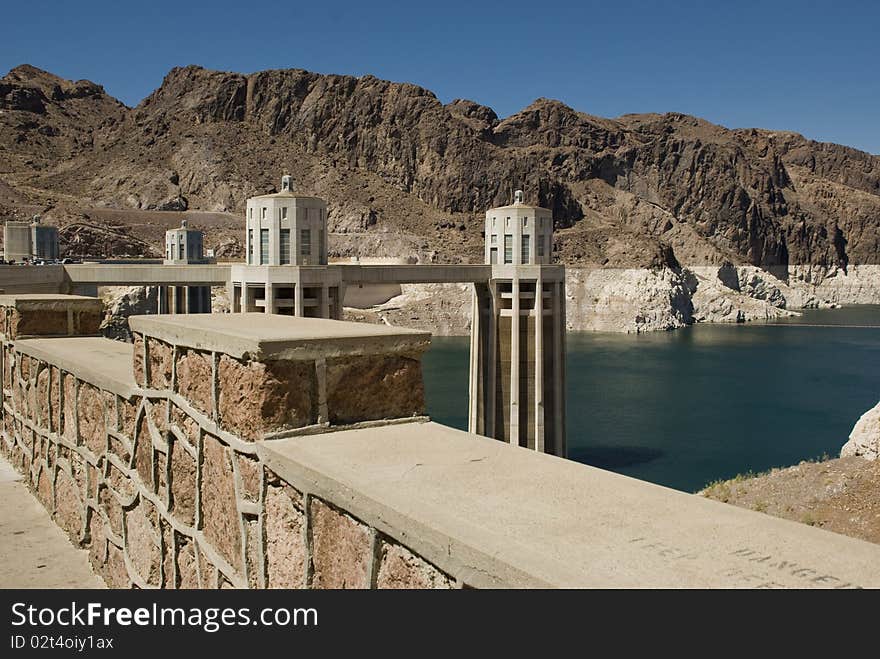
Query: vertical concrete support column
(325,301)
(230,295)
(270,298)
(245,297)
(535,376)
(173,301)
(298,300)
(514,361)
(538,315)
(560,338)
(338,309)
(475,424)
(491,411)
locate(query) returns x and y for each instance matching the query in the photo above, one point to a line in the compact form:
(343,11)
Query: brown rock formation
(407,175)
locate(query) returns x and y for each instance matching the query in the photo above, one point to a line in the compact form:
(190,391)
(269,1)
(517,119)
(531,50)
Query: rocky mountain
(636,199)
(404,172)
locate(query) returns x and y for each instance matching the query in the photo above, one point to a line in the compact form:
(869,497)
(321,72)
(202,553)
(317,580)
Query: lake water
(688,407)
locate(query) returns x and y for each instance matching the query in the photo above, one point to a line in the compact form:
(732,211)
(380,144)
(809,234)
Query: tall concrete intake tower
(517,368)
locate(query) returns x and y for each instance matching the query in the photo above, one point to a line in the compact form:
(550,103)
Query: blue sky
(811,67)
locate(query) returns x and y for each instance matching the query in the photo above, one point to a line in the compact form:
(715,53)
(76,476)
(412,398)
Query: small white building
(28,241)
(286,228)
(519,234)
(185,246)
(285,269)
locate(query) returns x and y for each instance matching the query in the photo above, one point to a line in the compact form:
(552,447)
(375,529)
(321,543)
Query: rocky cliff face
(407,176)
(864,440)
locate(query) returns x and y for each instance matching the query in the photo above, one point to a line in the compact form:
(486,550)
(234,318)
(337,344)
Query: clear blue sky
(811,67)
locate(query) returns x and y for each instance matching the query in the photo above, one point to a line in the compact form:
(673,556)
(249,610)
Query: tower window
(284,212)
(508,249)
(493,255)
(305,242)
(540,246)
(524,255)
(263,213)
(493,239)
(251,248)
(525,221)
(284,247)
(264,246)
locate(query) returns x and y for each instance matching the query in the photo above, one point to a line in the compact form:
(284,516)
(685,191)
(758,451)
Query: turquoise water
(687,407)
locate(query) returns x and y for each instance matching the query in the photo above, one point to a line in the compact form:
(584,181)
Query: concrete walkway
(34,552)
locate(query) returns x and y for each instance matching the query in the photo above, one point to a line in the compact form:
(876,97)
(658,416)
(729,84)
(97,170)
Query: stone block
(158,410)
(112,509)
(160,355)
(400,568)
(142,542)
(55,398)
(44,489)
(118,448)
(250,473)
(168,578)
(341,553)
(97,540)
(187,568)
(143,453)
(286,554)
(68,421)
(208,572)
(87,322)
(220,517)
(138,366)
(186,424)
(183,484)
(127,416)
(370,387)
(160,460)
(42,395)
(259,397)
(94,480)
(195,379)
(37,323)
(254,553)
(68,505)
(114,572)
(92,419)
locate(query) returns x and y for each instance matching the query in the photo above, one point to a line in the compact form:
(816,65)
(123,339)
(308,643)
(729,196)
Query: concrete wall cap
(50,301)
(266,337)
(501,515)
(102,362)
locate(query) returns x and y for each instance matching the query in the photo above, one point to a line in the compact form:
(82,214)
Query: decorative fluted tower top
(519,234)
(285,228)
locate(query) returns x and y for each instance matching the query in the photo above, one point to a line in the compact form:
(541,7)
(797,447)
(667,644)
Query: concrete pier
(517,367)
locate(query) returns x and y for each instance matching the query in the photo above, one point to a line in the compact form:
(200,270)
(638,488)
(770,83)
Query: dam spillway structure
(185,246)
(286,269)
(517,356)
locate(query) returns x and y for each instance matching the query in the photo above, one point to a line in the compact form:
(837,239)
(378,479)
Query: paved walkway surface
(34,552)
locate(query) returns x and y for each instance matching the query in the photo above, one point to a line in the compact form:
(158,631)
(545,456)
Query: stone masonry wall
(164,487)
